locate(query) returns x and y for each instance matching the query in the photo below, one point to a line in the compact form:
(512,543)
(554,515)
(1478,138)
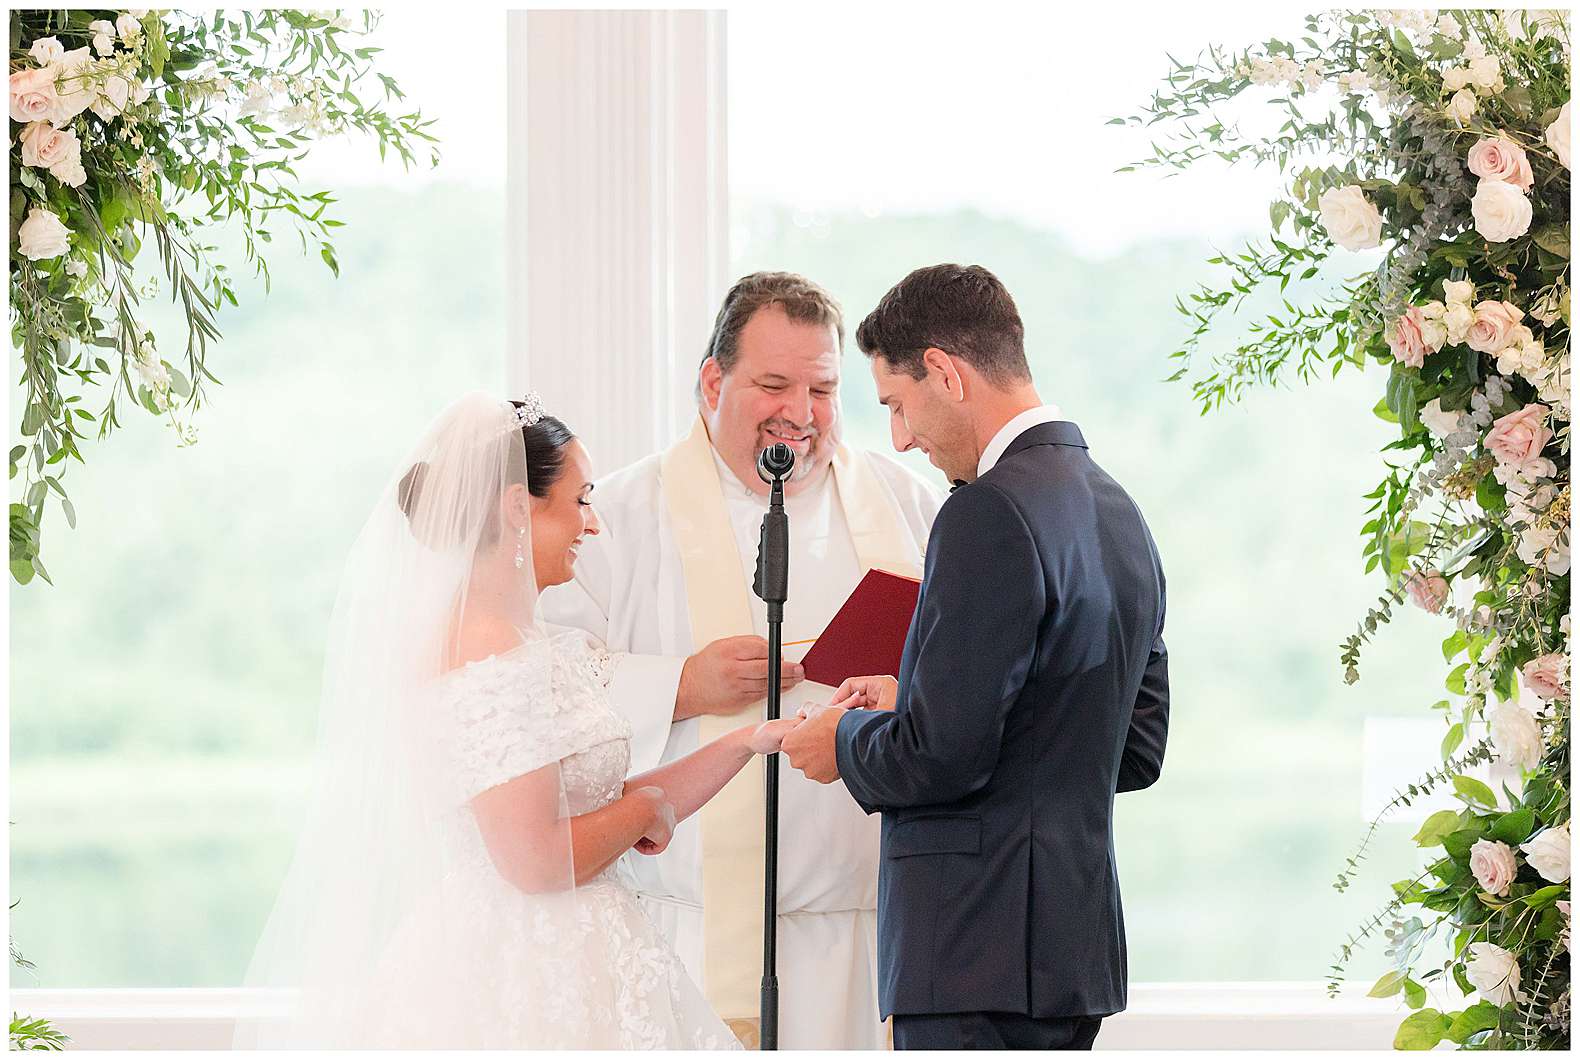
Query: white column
(617,221)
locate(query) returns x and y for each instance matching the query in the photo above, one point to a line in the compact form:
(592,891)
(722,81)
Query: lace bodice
(523,968)
(543,702)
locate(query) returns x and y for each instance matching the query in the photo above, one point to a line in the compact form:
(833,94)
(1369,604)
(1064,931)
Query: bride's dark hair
(545,443)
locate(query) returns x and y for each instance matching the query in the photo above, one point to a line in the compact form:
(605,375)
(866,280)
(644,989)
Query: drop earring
(521,554)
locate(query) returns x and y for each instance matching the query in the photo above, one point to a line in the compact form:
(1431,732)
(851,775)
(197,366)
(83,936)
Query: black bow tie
(958,483)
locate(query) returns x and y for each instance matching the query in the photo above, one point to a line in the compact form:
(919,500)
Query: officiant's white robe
(631,590)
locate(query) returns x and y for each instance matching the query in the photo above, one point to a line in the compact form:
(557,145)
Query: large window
(868,144)
(164,690)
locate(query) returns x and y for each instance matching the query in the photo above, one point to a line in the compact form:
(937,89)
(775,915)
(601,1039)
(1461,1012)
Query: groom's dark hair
(800,298)
(961,309)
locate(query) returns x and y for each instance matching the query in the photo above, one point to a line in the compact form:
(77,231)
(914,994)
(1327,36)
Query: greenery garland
(1443,138)
(139,128)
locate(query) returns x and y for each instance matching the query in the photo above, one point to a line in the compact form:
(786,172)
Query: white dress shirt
(1012,430)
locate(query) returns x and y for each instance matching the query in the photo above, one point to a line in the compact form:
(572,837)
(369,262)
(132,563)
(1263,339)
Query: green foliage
(195,123)
(28,1034)
(1399,156)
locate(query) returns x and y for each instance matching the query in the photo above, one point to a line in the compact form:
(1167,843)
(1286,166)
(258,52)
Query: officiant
(668,583)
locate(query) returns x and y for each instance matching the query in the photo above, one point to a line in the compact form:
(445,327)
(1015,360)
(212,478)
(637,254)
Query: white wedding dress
(600,976)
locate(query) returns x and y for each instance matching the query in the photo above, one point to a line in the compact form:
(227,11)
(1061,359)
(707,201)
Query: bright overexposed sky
(467,97)
(996,106)
(888,107)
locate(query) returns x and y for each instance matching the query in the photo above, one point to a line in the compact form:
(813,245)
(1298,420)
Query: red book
(867,636)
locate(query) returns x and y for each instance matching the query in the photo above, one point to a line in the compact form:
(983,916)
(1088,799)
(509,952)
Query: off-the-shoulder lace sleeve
(533,706)
(500,716)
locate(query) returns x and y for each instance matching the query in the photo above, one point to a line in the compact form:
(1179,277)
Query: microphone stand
(772,585)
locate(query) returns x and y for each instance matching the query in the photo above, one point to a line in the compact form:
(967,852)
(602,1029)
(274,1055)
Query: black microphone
(773,547)
(775,462)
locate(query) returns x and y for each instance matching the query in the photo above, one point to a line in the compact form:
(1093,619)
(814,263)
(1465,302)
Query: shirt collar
(1012,430)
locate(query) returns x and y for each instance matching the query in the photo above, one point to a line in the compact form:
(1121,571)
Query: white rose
(1523,356)
(1501,211)
(1439,422)
(1548,854)
(1515,735)
(42,236)
(1493,865)
(1461,107)
(1544,547)
(1484,73)
(1462,291)
(1457,319)
(1456,79)
(73,86)
(1350,218)
(1494,972)
(1433,329)
(70,172)
(46,50)
(1558,136)
(112,97)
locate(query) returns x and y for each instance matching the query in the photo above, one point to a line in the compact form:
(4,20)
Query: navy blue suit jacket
(1034,685)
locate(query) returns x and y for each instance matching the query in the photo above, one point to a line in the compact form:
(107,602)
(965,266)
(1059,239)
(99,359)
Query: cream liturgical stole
(719,603)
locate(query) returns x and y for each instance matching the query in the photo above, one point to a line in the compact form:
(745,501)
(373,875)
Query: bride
(457,883)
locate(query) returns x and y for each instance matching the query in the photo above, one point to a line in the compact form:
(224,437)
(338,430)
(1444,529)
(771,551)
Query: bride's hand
(662,826)
(766,738)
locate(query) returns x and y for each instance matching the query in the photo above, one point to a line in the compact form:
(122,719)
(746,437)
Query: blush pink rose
(1518,438)
(1493,865)
(1544,675)
(1407,338)
(32,94)
(1497,158)
(44,146)
(1428,590)
(1493,326)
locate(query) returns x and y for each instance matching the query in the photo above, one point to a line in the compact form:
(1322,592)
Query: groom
(1033,686)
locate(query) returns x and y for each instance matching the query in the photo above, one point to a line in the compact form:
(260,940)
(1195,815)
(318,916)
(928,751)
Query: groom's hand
(810,745)
(867,693)
(728,675)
